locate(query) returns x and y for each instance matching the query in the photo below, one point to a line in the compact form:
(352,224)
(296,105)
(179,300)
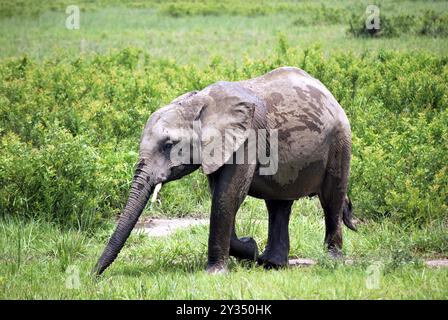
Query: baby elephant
(277,137)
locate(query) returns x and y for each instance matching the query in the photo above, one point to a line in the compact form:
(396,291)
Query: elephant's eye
(167,146)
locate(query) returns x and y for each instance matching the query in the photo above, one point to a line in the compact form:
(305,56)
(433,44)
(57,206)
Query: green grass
(197,38)
(71,91)
(36,259)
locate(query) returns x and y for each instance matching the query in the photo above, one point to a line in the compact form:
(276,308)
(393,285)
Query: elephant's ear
(225,123)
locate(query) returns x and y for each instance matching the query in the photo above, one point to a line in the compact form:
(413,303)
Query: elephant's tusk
(156,191)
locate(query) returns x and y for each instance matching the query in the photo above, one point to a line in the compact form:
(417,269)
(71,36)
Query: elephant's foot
(244,248)
(272,260)
(218,268)
(335,253)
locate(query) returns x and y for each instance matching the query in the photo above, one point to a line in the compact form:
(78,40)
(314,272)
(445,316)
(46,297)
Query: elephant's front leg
(244,248)
(231,184)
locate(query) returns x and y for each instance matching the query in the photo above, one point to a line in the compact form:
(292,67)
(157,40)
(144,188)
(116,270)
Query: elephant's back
(297,102)
(305,115)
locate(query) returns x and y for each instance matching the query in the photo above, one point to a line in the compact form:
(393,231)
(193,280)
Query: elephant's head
(175,142)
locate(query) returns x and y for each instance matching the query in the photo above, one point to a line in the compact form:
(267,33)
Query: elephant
(311,136)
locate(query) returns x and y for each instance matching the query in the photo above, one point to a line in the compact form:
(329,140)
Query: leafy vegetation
(70,136)
(174,8)
(73,104)
(430,23)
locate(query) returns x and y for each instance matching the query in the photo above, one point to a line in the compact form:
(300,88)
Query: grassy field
(40,262)
(196,38)
(73,103)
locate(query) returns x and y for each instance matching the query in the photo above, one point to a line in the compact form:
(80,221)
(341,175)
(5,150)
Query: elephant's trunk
(141,188)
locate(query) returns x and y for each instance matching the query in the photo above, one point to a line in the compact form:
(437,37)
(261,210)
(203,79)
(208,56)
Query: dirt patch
(301,262)
(165,227)
(440,263)
(304,262)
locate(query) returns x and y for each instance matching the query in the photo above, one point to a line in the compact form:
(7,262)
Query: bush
(217,8)
(434,24)
(309,13)
(323,15)
(428,24)
(69,136)
(55,182)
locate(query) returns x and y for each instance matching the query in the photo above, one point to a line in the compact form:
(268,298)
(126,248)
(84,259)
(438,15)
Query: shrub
(428,24)
(69,136)
(232,7)
(55,182)
(434,24)
(323,15)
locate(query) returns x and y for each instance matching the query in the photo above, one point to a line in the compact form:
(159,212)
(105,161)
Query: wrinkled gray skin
(313,152)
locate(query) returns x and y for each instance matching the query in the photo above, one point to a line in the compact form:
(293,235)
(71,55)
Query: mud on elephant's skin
(313,158)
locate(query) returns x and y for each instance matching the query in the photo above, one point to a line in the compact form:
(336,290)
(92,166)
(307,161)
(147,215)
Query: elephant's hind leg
(332,201)
(277,250)
(334,194)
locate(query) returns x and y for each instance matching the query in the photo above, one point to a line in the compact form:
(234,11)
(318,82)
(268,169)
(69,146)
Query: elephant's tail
(347,214)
